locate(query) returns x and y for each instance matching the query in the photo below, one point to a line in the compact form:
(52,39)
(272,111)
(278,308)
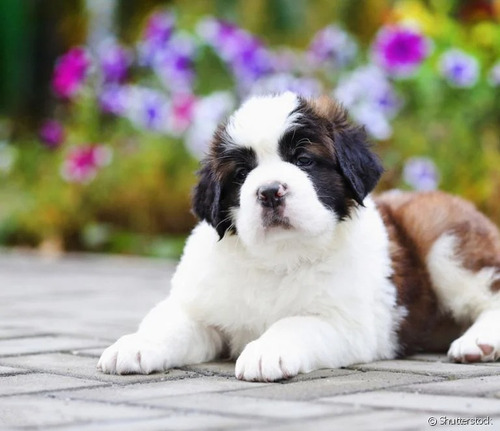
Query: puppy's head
(284,168)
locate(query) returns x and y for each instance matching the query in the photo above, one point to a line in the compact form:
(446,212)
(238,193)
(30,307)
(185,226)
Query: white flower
(460,69)
(208,113)
(494,75)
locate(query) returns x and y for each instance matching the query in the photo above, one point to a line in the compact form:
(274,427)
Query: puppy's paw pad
(486,349)
(132,354)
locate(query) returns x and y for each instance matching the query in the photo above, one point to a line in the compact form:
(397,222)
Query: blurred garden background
(107,106)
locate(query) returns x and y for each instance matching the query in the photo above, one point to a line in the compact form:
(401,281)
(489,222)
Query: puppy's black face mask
(222,174)
(334,153)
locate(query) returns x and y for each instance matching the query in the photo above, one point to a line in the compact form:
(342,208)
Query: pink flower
(182,111)
(70,72)
(400,50)
(82,163)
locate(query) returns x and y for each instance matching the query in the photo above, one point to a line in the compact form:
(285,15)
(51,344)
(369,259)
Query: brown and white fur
(294,267)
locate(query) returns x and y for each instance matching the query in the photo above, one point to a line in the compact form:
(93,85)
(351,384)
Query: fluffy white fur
(271,114)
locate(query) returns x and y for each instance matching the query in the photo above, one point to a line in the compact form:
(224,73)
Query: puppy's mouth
(274,218)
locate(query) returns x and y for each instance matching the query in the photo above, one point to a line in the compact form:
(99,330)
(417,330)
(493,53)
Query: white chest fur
(220,284)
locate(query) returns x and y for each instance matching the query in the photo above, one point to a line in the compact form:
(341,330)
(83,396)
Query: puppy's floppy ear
(206,199)
(359,165)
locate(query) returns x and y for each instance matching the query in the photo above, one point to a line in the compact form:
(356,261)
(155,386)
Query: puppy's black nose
(272,195)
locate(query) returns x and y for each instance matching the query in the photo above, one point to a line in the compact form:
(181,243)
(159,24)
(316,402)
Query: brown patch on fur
(414,289)
(414,222)
(322,149)
(495,287)
(431,214)
(330,110)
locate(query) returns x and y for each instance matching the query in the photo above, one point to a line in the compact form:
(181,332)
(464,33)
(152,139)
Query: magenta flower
(82,163)
(51,133)
(400,50)
(70,72)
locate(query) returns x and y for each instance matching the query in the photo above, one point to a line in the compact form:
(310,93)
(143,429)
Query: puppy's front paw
(267,362)
(133,354)
(475,347)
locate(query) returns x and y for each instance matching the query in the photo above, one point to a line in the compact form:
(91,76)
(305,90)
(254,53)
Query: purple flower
(376,123)
(52,133)
(400,50)
(82,163)
(148,109)
(246,56)
(332,45)
(113,99)
(159,27)
(371,99)
(70,72)
(174,64)
(460,69)
(114,60)
(494,75)
(421,174)
(157,32)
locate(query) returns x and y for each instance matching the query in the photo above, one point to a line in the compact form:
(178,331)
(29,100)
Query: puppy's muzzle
(272,195)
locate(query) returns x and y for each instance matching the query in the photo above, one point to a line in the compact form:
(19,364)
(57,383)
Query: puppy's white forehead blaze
(261,121)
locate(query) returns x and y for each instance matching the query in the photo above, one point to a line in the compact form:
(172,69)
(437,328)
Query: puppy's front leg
(294,345)
(167,337)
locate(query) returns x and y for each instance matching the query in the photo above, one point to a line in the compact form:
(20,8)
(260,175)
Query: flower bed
(113,169)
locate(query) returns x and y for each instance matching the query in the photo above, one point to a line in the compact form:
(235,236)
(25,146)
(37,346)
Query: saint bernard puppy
(294,267)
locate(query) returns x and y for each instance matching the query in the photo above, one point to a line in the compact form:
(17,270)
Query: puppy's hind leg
(469,296)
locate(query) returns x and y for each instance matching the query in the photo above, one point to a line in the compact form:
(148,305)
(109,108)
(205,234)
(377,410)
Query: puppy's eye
(304,160)
(240,174)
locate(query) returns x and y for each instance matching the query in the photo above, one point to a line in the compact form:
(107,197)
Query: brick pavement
(57,316)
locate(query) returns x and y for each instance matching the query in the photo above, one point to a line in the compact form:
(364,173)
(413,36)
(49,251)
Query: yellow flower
(485,34)
(414,13)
